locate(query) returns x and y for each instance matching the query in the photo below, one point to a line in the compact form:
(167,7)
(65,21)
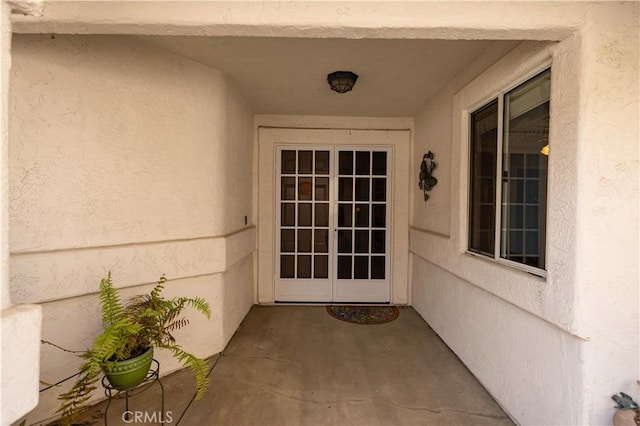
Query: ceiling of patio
(289,75)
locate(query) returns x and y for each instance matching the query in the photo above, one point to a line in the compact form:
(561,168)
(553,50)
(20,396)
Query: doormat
(364,314)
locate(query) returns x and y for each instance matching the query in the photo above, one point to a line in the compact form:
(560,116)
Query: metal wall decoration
(426,181)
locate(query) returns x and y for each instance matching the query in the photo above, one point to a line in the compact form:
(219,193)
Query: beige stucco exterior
(19,324)
(113,163)
(151,165)
(575,312)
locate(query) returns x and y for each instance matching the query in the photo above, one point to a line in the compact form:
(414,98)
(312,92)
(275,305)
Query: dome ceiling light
(342,81)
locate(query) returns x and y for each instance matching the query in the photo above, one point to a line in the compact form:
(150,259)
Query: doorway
(332,215)
(333,208)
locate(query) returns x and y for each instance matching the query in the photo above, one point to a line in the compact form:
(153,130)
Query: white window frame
(499,95)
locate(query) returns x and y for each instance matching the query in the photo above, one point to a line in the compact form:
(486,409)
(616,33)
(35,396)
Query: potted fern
(131,331)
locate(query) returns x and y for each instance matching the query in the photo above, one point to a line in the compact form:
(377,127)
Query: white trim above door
(301,277)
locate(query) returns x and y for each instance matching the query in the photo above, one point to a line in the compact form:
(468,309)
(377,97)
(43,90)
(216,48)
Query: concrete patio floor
(296,365)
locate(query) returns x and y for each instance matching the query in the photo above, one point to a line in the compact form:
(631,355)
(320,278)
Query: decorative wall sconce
(426,181)
(342,81)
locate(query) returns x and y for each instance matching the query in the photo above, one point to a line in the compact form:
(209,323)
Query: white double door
(332,224)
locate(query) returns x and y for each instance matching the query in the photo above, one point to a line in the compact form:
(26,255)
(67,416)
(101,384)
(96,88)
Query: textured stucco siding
(551,349)
(19,324)
(124,157)
(608,205)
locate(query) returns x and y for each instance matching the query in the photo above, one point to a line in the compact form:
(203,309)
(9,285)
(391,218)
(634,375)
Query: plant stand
(153,376)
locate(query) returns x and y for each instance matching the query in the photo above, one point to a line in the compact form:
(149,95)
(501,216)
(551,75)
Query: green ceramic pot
(124,375)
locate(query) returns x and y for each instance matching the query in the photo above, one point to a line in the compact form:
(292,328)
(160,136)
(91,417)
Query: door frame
(332,288)
(399,141)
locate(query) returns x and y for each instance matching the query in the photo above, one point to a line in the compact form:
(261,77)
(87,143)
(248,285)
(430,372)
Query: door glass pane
(378,189)
(362,242)
(288,188)
(377,241)
(304,214)
(322,189)
(361,267)
(363,163)
(344,267)
(530,242)
(288,214)
(379,163)
(345,163)
(362,215)
(322,214)
(304,266)
(378,215)
(377,267)
(288,240)
(288,162)
(304,188)
(362,189)
(515,217)
(320,266)
(515,243)
(287,266)
(515,166)
(344,214)
(305,161)
(304,240)
(531,217)
(345,189)
(516,190)
(532,168)
(322,162)
(533,193)
(344,241)
(484,148)
(321,241)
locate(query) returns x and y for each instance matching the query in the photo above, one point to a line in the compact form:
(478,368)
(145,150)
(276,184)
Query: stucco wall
(19,324)
(126,158)
(551,350)
(5,65)
(433,133)
(608,264)
(591,293)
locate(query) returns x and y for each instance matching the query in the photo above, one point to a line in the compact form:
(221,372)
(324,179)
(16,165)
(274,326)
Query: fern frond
(73,401)
(198,366)
(199,304)
(137,304)
(170,310)
(112,308)
(155,293)
(177,324)
(112,342)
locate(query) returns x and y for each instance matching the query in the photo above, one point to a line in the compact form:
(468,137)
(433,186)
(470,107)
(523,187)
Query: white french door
(332,224)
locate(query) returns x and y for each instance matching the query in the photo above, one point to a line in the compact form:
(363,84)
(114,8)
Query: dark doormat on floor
(364,314)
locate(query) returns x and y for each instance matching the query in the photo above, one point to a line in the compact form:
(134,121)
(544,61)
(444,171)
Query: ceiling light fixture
(342,81)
